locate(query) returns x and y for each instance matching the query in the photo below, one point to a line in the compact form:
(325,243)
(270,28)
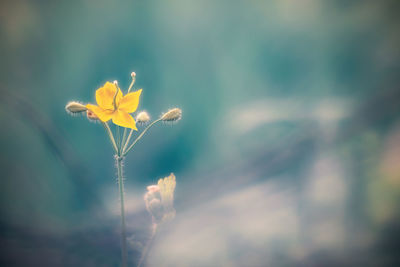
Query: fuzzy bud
(142,117)
(174,114)
(75,107)
(133,74)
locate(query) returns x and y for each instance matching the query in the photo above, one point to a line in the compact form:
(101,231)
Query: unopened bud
(153,188)
(142,117)
(91,116)
(174,114)
(159,199)
(75,107)
(153,191)
(115,82)
(133,74)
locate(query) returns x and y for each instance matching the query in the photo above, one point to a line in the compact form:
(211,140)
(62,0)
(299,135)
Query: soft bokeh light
(287,153)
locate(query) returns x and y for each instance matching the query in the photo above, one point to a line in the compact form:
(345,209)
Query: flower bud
(159,200)
(133,74)
(153,188)
(153,192)
(142,117)
(74,107)
(91,116)
(174,114)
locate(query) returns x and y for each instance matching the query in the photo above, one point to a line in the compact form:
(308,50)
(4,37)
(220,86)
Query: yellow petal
(105,96)
(103,114)
(130,102)
(123,119)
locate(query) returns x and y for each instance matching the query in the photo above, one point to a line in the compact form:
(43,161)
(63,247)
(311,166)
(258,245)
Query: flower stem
(124,135)
(127,140)
(148,245)
(126,150)
(123,139)
(118,140)
(131,85)
(119,161)
(111,136)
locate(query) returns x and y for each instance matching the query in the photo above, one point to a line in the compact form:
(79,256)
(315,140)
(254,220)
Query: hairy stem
(121,195)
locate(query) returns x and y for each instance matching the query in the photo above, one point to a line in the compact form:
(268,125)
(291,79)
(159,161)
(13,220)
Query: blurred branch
(55,141)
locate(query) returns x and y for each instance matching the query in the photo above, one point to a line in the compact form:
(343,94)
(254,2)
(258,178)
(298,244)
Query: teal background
(290,114)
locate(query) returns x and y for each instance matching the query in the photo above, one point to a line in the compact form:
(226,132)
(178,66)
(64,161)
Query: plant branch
(110,135)
(121,195)
(126,150)
(148,245)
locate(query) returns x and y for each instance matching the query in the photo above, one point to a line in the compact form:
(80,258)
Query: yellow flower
(113,105)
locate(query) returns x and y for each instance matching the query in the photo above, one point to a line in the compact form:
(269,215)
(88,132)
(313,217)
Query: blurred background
(288,152)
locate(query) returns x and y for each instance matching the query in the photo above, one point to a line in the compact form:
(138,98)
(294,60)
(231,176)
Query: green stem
(111,136)
(123,139)
(121,195)
(126,150)
(131,85)
(123,142)
(119,160)
(127,140)
(148,245)
(118,140)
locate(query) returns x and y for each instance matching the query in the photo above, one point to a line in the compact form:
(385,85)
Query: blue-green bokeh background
(298,97)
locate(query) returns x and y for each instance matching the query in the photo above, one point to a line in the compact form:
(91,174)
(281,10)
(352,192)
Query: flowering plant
(113,105)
